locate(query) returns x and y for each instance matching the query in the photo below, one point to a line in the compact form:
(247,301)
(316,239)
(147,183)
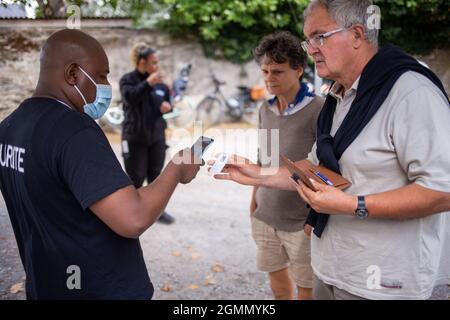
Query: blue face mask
(102,100)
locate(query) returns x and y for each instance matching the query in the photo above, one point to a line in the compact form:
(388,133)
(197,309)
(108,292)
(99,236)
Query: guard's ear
(71,74)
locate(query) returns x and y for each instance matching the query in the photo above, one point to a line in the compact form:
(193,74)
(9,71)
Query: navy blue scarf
(377,80)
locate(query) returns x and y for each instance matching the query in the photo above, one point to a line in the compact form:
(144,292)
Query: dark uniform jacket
(141,104)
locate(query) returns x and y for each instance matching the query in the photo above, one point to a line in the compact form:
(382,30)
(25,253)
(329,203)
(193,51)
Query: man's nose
(312,50)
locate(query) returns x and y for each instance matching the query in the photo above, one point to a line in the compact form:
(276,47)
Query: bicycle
(242,105)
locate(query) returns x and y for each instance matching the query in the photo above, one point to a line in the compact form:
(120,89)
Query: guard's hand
(187,164)
(327,199)
(165,107)
(154,78)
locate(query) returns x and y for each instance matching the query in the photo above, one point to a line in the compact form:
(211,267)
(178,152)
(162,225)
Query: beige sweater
(285,210)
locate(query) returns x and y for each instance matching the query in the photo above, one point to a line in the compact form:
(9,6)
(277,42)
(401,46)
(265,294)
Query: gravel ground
(11,270)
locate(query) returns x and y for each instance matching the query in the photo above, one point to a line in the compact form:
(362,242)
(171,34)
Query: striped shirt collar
(302,98)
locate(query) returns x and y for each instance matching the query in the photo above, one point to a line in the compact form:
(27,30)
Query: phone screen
(201,145)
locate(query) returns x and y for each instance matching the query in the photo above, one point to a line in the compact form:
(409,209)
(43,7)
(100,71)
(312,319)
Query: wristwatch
(361,212)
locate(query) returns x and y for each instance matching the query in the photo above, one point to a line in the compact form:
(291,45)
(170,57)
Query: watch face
(361,213)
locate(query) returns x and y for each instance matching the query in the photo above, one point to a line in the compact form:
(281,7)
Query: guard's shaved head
(69,46)
(62,56)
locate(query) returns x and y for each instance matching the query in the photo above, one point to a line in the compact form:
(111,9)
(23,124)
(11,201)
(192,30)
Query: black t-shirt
(54,163)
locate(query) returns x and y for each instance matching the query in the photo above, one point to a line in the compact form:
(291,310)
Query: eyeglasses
(318,39)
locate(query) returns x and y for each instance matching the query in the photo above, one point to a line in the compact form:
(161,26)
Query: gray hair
(347,13)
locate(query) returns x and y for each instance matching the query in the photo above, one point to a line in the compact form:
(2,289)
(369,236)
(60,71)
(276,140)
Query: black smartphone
(201,145)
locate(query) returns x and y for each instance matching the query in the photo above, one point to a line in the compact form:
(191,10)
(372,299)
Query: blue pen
(321,176)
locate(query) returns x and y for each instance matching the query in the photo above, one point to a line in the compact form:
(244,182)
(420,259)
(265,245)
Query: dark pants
(144,161)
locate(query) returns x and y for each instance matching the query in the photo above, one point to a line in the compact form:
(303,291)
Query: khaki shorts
(278,250)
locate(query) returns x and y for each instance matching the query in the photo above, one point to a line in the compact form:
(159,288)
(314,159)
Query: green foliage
(418,26)
(230,29)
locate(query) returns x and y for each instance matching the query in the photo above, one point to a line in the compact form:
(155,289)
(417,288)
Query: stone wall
(439,62)
(19,62)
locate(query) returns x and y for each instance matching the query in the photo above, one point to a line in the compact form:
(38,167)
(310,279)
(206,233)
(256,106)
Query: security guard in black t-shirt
(145,99)
(75,213)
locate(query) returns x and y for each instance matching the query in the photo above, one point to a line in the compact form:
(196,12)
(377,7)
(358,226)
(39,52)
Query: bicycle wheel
(209,112)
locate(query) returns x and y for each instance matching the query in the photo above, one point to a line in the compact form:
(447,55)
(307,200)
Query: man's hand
(154,78)
(307,229)
(165,107)
(327,199)
(187,164)
(240,170)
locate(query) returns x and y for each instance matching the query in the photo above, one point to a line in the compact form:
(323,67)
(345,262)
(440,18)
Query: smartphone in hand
(201,145)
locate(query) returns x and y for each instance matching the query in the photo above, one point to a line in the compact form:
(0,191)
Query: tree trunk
(52,8)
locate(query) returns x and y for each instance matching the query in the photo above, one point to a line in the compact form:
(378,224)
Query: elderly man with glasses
(384,127)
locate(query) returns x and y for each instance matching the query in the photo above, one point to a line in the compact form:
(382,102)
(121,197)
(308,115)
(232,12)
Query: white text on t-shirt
(12,157)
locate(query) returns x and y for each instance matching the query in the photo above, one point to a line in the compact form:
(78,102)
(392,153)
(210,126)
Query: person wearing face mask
(75,213)
(102,100)
(145,99)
